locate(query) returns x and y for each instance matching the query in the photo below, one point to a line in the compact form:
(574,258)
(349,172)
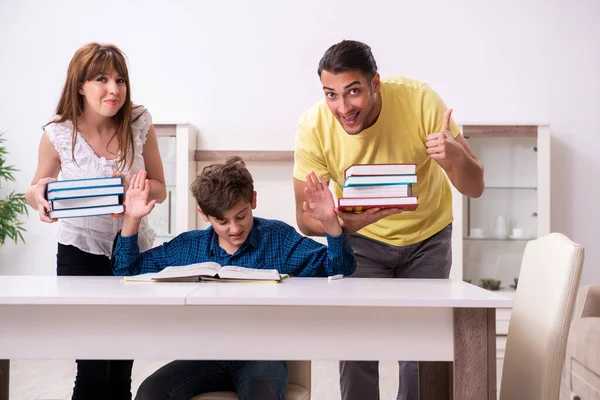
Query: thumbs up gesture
(441,146)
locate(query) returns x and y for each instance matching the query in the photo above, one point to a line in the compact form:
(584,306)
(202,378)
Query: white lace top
(96,234)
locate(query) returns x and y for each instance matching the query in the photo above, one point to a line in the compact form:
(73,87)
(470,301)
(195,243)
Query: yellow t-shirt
(410,111)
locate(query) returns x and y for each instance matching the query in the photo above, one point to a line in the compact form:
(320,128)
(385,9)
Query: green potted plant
(490,284)
(13,205)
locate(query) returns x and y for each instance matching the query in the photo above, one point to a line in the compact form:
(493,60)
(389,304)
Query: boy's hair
(221,186)
(348,55)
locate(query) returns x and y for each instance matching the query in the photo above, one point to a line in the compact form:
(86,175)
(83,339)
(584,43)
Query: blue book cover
(83,183)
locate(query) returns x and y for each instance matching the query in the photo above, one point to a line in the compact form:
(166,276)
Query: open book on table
(209,271)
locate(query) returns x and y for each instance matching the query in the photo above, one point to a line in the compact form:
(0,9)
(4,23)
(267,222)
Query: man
(364,119)
(226,197)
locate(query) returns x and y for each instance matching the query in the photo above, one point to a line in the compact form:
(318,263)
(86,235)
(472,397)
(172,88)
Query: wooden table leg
(474,354)
(435,380)
(4,378)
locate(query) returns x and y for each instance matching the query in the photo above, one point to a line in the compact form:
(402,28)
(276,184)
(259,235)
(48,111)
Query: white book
(85,192)
(86,212)
(381,169)
(377,191)
(81,183)
(80,202)
(379,180)
(209,271)
(362,203)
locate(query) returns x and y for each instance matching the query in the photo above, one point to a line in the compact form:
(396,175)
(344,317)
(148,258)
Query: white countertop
(350,292)
(51,290)
(101,290)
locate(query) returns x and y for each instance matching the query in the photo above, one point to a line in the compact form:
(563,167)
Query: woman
(97,132)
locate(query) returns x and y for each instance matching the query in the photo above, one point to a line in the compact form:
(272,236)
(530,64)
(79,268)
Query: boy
(226,197)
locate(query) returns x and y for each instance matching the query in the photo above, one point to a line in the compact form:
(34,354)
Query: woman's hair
(221,186)
(88,62)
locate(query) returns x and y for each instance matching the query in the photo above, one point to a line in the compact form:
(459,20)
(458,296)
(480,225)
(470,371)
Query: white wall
(244,71)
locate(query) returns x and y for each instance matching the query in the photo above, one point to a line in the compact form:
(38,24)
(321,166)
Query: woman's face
(105,93)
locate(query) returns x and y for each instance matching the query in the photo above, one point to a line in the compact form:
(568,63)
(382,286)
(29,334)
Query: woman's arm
(47,170)
(154,167)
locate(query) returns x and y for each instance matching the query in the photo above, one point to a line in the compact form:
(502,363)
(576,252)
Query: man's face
(352,98)
(234,227)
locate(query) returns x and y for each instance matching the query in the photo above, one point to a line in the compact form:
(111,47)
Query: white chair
(298,384)
(540,320)
(581,378)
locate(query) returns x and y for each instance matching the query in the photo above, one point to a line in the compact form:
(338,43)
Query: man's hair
(223,185)
(348,55)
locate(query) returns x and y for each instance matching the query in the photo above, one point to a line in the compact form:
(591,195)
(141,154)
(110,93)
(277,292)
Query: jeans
(431,258)
(182,380)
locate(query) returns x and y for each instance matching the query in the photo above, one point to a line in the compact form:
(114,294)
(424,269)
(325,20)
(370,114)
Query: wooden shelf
(288,155)
(500,131)
(247,155)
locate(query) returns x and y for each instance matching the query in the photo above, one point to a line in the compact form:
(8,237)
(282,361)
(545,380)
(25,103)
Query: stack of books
(378,185)
(85,197)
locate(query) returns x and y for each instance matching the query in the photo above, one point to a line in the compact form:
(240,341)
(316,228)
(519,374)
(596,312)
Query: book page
(234,272)
(147,277)
(208,268)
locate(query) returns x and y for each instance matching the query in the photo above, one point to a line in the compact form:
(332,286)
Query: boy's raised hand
(319,203)
(136,202)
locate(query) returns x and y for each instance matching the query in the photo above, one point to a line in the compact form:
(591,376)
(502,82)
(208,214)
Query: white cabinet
(177,144)
(490,233)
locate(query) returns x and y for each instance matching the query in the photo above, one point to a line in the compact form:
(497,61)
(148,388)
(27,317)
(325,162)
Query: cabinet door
(162,218)
(498,225)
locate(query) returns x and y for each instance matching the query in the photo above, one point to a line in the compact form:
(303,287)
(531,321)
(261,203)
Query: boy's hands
(319,204)
(136,202)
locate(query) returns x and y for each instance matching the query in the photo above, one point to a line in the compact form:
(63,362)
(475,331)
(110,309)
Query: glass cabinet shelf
(513,208)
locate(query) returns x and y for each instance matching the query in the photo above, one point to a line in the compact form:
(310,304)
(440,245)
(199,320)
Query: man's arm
(466,174)
(454,155)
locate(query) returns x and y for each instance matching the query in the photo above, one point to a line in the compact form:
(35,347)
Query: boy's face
(234,227)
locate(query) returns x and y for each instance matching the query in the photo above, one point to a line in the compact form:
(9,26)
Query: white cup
(501,226)
(476,232)
(518,233)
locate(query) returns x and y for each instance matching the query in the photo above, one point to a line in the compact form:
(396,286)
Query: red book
(380,169)
(407,203)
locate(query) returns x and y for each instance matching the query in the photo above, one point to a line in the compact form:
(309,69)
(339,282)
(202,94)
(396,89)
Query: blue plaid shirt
(271,244)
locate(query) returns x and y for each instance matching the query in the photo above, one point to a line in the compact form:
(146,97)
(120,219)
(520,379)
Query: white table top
(86,290)
(25,290)
(351,292)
